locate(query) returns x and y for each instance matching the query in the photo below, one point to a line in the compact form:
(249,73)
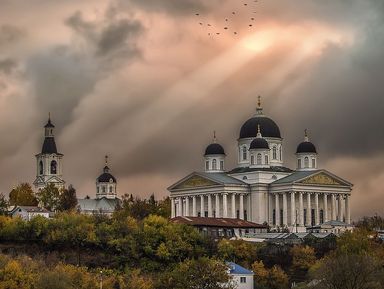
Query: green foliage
(238,251)
(3,205)
(349,271)
(49,197)
(371,223)
(67,199)
(274,278)
(202,273)
(22,195)
(140,209)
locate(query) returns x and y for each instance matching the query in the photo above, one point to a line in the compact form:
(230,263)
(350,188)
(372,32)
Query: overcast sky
(145,83)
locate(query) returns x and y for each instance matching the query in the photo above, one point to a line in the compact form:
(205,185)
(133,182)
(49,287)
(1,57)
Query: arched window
(299,163)
(306,162)
(41,168)
(266,159)
(110,189)
(53,167)
(206,165)
(98,189)
(259,159)
(313,163)
(274,152)
(214,164)
(222,165)
(103,189)
(244,153)
(252,160)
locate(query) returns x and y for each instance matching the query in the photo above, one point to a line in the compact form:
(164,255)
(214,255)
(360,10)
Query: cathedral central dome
(268,127)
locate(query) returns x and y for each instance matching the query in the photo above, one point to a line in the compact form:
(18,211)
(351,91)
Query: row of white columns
(340,208)
(180,205)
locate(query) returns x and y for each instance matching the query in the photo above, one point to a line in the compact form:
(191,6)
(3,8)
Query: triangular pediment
(194,181)
(323,178)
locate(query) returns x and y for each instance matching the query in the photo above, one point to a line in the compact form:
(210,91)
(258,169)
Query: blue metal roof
(237,269)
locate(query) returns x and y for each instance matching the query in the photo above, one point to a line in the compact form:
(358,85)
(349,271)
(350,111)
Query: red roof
(216,222)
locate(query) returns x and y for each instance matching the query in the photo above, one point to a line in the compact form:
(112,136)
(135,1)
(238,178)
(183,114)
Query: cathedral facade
(261,188)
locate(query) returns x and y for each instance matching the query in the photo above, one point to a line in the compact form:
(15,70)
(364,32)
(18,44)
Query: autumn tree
(349,271)
(202,273)
(273,278)
(3,205)
(67,199)
(23,195)
(49,197)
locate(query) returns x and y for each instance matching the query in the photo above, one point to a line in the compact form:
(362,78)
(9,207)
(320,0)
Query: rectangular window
(321,216)
(222,165)
(243,279)
(207,165)
(313,163)
(238,214)
(245,215)
(206,214)
(299,163)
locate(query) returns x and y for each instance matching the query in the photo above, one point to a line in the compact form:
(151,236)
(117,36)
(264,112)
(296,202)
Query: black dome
(214,149)
(306,147)
(268,127)
(105,178)
(49,146)
(259,143)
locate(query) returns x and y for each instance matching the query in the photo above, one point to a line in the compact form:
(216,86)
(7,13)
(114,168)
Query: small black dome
(49,146)
(214,149)
(106,178)
(306,147)
(268,127)
(259,143)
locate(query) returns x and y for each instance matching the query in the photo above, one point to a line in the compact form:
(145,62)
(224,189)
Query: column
(233,205)
(241,206)
(186,206)
(225,206)
(202,207)
(340,208)
(285,209)
(270,209)
(194,211)
(210,213)
(293,209)
(173,213)
(325,208)
(309,212)
(180,211)
(317,211)
(347,210)
(277,210)
(301,209)
(217,205)
(333,207)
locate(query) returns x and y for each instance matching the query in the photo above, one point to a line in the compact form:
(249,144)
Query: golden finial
(259,102)
(106,160)
(214,136)
(306,135)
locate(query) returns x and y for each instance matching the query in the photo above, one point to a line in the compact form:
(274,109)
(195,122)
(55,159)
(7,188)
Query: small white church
(261,188)
(49,164)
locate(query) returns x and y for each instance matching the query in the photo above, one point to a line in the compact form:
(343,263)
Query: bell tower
(49,161)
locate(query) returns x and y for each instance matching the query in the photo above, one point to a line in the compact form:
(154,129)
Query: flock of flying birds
(227,25)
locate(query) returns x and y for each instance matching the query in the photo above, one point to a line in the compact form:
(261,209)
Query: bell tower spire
(259,108)
(49,161)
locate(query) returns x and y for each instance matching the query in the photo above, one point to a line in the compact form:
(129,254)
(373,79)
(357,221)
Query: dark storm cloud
(7,65)
(110,36)
(63,75)
(173,6)
(10,34)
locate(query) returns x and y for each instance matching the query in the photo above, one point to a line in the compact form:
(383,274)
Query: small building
(335,227)
(106,200)
(27,213)
(102,206)
(221,227)
(242,278)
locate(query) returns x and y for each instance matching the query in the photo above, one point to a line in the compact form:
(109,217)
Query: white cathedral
(261,189)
